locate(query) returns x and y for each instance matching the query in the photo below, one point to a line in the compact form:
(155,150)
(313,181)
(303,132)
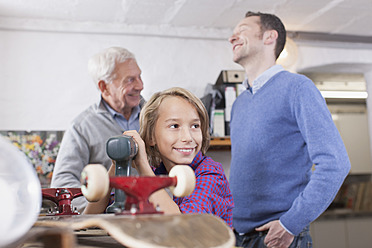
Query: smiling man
(280,127)
(117,75)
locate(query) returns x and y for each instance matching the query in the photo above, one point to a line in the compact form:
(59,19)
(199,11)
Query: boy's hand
(140,161)
(111,171)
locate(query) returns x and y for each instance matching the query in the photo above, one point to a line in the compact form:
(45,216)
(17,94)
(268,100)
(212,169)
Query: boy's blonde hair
(149,115)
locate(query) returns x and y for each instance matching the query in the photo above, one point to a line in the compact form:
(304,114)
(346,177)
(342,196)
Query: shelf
(220,143)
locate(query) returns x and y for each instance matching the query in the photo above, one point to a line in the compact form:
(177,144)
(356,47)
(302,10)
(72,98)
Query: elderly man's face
(125,89)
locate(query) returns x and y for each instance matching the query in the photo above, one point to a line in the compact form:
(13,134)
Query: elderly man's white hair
(102,65)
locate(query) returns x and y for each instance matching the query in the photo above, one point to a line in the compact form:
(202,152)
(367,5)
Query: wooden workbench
(57,237)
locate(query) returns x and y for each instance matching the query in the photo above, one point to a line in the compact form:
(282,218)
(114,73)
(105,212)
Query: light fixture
(344,94)
(288,56)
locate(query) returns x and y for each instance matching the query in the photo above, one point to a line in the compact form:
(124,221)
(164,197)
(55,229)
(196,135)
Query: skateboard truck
(132,192)
(138,191)
(96,183)
(122,149)
(62,197)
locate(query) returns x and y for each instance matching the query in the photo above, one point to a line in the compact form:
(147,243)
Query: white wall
(44,79)
(45,84)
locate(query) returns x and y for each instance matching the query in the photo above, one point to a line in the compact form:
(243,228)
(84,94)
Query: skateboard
(139,223)
(136,222)
(151,230)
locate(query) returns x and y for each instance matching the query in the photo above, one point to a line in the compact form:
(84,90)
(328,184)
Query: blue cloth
(212,191)
(131,124)
(277,134)
(263,78)
(256,240)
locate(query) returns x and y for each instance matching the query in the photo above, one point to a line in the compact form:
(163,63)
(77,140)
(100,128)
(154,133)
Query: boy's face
(177,133)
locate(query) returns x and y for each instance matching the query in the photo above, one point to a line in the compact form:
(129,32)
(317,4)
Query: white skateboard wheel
(185,180)
(95,182)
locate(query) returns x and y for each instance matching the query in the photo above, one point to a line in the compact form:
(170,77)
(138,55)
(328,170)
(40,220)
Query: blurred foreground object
(21,194)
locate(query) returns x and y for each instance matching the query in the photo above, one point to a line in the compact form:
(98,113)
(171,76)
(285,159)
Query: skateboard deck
(153,231)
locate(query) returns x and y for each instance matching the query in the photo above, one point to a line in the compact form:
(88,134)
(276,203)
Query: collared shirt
(263,78)
(131,124)
(212,190)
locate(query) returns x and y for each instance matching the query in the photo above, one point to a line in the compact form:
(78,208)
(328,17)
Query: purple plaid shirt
(212,193)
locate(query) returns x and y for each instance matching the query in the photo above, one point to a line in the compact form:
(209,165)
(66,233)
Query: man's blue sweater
(277,135)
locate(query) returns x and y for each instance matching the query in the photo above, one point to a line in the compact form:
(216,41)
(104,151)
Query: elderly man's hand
(277,236)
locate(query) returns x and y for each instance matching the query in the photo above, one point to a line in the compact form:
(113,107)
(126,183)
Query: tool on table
(132,192)
(62,197)
(122,149)
(96,183)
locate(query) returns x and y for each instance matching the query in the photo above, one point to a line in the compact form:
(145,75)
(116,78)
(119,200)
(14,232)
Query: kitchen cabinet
(329,234)
(353,128)
(359,232)
(352,231)
(220,143)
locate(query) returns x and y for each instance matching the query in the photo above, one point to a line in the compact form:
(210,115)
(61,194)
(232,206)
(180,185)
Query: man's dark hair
(271,22)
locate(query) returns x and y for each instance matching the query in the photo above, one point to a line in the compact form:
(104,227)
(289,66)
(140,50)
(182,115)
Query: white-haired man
(117,75)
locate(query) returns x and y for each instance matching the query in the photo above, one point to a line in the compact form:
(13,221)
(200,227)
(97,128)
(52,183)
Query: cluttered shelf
(354,199)
(220,143)
(344,214)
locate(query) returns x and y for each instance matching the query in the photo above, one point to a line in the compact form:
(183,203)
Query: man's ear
(102,87)
(270,36)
